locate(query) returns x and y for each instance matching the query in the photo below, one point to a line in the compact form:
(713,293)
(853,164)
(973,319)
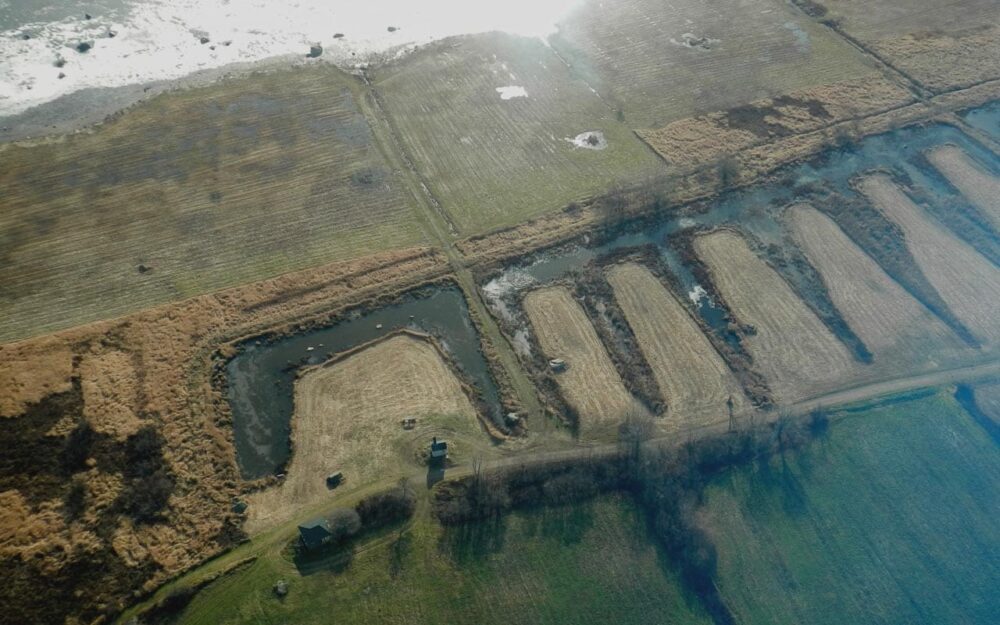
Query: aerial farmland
(569,312)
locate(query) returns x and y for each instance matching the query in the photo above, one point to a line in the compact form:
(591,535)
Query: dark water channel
(262,376)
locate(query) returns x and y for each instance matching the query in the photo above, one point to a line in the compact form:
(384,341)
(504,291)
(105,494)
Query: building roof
(314,533)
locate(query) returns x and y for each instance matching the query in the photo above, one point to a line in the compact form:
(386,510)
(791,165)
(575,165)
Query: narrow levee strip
(692,375)
(795,351)
(966,280)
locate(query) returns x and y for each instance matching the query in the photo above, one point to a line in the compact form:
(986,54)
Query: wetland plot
(261,377)
(901,332)
(699,388)
(845,277)
(348,415)
(889,517)
(495,125)
(798,355)
(588,380)
(985,118)
(942,46)
(660,62)
(227,184)
(966,280)
(975,182)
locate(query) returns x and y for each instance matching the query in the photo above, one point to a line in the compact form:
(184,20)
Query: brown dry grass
(795,351)
(707,138)
(347,417)
(901,333)
(26,379)
(975,183)
(154,368)
(109,383)
(947,60)
(943,45)
(691,374)
(969,283)
(590,383)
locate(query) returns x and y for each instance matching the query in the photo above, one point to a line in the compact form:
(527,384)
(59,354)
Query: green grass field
(493,162)
(194,191)
(592,563)
(891,518)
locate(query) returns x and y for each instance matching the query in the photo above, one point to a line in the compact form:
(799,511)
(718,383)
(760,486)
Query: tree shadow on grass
(334,559)
(470,542)
(566,523)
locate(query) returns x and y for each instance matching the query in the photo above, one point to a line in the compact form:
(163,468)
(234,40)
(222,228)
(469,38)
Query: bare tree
(344,523)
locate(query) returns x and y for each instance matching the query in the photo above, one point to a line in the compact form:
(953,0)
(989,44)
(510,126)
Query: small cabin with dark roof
(439,449)
(315,533)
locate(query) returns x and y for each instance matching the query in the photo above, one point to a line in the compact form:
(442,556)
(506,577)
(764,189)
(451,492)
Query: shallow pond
(261,378)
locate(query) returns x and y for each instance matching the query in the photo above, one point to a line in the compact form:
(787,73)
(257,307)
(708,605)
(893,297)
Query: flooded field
(262,376)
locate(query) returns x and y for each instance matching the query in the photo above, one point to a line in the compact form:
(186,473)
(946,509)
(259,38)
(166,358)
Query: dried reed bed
(695,380)
(590,383)
(706,138)
(942,45)
(901,332)
(795,351)
(969,283)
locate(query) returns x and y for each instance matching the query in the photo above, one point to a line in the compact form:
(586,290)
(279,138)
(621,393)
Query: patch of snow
(687,222)
(697,294)
(512,91)
(591,140)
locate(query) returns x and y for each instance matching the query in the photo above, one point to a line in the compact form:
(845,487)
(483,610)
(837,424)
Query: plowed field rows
(192,192)
(495,157)
(663,61)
